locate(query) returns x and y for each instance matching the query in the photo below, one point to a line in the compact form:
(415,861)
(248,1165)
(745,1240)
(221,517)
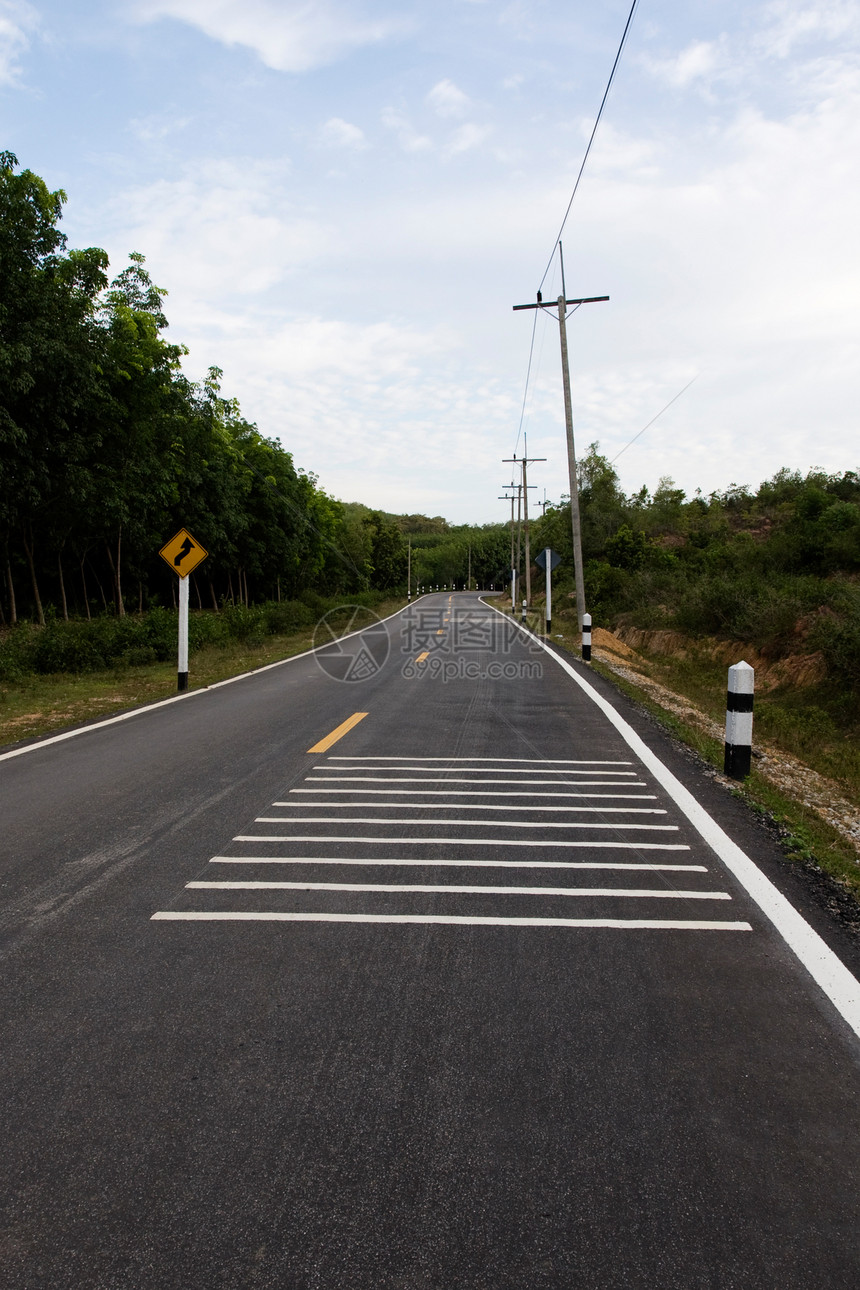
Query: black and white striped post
(586,638)
(739,720)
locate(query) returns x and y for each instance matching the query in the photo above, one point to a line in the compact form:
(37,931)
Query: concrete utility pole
(561,305)
(519,528)
(512,499)
(524,463)
(409,572)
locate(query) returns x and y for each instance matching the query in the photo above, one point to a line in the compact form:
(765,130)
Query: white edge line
(825,967)
(188,694)
(622,924)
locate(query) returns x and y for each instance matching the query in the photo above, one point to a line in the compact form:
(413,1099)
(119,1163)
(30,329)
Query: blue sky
(345,200)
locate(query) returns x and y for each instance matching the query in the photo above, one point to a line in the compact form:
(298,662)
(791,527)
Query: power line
(653,419)
(570,204)
(593,133)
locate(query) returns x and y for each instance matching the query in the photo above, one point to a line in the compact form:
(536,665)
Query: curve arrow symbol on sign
(186,548)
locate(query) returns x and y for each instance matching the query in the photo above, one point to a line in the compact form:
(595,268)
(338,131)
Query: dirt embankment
(792,669)
(625,654)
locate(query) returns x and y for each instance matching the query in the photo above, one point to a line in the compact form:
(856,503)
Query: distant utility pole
(525,462)
(561,305)
(409,571)
(511,499)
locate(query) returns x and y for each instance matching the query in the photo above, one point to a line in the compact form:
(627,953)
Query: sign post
(183,554)
(548,560)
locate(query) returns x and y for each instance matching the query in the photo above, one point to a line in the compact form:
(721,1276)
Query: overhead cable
(593,133)
(653,419)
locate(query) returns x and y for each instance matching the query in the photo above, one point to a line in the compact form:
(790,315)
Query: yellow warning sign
(183,553)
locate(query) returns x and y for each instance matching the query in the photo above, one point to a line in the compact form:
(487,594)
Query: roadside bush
(71,647)
(16,652)
(290,616)
(838,638)
(241,622)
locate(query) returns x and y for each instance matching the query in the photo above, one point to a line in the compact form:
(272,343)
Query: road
(482,991)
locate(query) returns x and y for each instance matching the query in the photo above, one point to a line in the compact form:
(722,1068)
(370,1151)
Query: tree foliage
(106,447)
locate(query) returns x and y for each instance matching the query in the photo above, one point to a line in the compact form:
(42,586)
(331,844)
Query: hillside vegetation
(777,567)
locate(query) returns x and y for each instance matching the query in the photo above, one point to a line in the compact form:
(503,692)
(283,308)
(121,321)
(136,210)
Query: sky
(345,200)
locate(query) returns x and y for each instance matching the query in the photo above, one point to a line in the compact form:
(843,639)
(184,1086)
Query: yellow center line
(338,732)
(421,657)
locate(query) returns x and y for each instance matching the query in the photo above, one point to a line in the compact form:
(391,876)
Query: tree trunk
(230,587)
(120,607)
(116,574)
(173,591)
(197,592)
(84,585)
(101,588)
(215,605)
(37,599)
(13,609)
(62,587)
(139,596)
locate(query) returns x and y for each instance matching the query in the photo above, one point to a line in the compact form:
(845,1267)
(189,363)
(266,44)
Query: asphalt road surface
(489,991)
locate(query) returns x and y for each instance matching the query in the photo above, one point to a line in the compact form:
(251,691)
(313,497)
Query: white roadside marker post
(586,638)
(548,558)
(739,720)
(525,607)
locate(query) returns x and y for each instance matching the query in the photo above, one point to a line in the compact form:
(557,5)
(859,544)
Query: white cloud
(222,229)
(407,136)
(289,36)
(154,128)
(447,100)
(697,62)
(466,138)
(17,19)
(337,133)
(789,23)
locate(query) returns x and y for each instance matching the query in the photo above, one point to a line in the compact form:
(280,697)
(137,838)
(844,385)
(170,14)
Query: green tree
(50,356)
